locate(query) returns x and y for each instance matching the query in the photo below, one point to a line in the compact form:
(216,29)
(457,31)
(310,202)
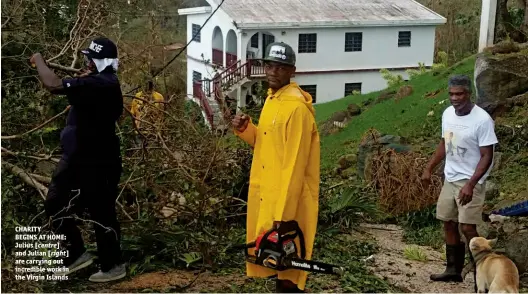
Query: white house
(340,44)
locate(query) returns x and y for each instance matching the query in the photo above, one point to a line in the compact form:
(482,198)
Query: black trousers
(77,186)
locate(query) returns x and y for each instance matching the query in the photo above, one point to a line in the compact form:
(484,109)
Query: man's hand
(84,72)
(426,177)
(34,58)
(276,225)
(240,122)
(466,193)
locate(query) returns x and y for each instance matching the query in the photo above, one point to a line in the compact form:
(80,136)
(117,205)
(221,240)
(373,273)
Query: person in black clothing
(88,173)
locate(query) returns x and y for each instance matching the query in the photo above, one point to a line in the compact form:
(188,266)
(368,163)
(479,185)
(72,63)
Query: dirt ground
(410,275)
(179,281)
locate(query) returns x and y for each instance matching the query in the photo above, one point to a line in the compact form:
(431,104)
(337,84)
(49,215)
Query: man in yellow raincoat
(284,180)
(138,108)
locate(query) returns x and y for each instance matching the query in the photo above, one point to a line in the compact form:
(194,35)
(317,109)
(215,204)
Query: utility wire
(184,48)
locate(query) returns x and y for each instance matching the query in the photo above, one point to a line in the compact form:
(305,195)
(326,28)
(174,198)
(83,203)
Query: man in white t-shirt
(467,143)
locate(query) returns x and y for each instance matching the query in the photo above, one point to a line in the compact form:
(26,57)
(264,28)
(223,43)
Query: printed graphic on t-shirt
(453,148)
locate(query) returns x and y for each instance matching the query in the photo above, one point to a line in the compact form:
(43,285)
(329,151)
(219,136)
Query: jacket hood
(292,92)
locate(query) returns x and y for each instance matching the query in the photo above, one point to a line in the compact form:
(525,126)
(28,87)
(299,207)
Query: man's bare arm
(49,79)
(438,156)
(486,157)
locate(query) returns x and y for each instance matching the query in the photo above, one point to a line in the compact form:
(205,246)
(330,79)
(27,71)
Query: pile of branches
(397,178)
(182,185)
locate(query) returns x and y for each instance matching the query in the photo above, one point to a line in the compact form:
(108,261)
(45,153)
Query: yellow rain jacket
(139,110)
(284,180)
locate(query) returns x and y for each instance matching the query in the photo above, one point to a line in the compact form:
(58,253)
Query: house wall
(331,86)
(206,70)
(197,52)
(379,50)
(380,47)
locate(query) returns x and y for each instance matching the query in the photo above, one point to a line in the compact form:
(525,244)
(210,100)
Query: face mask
(87,62)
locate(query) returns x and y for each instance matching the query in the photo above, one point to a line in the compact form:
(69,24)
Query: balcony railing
(222,81)
(200,95)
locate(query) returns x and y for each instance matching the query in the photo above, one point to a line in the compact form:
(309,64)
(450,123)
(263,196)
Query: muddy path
(391,264)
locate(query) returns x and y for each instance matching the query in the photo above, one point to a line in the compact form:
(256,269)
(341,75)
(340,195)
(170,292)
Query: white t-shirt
(463,136)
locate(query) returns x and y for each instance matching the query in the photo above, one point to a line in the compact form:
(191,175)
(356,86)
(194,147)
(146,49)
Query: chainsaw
(276,249)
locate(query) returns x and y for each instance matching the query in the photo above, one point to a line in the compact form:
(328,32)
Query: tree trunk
(524,26)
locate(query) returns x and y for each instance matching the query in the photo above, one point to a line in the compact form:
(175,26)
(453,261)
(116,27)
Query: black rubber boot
(455,263)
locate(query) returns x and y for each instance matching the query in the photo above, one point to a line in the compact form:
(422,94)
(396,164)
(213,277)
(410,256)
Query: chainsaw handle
(292,226)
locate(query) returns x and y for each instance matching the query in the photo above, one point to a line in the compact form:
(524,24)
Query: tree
(504,24)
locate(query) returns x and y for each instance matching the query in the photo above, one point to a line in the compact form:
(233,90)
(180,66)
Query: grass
(431,236)
(407,117)
(414,253)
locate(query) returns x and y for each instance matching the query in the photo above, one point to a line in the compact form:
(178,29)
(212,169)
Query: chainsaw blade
(313,266)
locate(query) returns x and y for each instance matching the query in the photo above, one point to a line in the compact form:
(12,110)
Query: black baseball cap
(101,48)
(280,52)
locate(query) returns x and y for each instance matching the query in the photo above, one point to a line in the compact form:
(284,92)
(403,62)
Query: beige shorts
(448,207)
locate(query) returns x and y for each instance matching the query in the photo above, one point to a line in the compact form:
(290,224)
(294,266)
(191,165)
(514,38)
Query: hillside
(410,117)
(417,118)
(406,117)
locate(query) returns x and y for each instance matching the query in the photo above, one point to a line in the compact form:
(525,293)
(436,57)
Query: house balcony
(218,58)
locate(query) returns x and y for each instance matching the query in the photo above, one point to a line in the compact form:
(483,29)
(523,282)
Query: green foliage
(346,250)
(516,16)
(442,58)
(347,208)
(191,257)
(416,72)
(193,112)
(340,249)
(414,253)
(443,61)
(393,80)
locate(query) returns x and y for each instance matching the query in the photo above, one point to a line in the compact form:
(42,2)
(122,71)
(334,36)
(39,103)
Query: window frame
(307,89)
(350,44)
(306,45)
(196,28)
(404,41)
(348,85)
(194,73)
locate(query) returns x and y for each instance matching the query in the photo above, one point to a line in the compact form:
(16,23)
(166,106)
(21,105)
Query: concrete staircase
(210,93)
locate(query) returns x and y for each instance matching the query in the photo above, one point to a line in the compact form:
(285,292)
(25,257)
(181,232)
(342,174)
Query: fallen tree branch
(64,68)
(37,127)
(144,100)
(48,157)
(40,178)
(27,178)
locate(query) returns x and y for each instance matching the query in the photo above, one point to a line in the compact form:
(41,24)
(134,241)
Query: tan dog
(495,273)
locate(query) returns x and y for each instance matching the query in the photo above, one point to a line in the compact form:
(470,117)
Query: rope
(472,260)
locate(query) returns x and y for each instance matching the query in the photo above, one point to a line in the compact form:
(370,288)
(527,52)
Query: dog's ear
(492,242)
